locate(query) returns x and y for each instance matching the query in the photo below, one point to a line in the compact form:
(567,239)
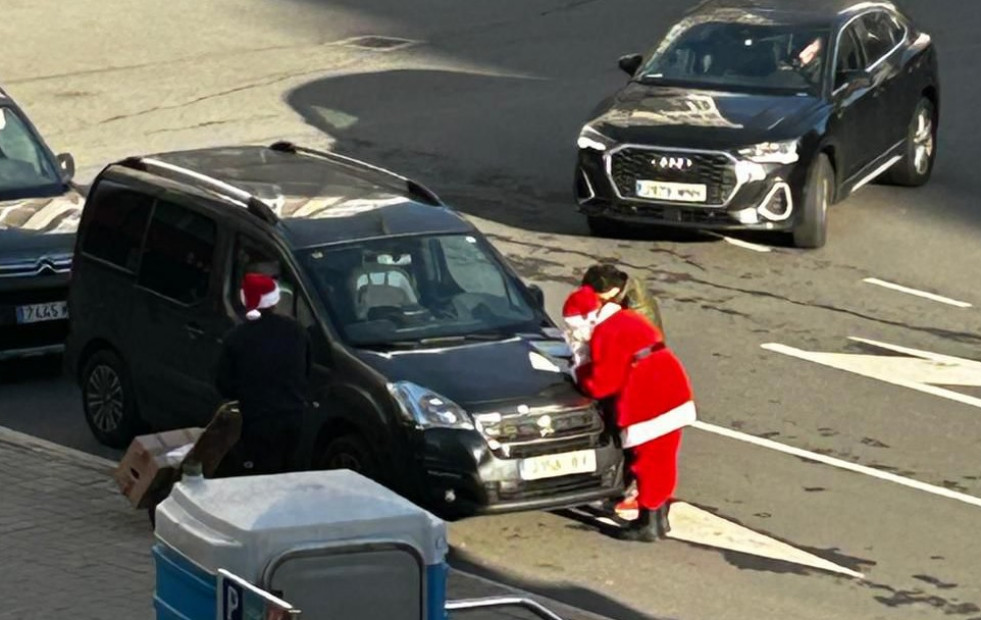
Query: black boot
(661,520)
(643,529)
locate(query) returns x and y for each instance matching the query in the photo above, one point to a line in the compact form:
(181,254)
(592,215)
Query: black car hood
(30,227)
(475,376)
(701,119)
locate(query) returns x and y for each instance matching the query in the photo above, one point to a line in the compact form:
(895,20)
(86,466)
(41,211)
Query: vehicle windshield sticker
(471,240)
(3,118)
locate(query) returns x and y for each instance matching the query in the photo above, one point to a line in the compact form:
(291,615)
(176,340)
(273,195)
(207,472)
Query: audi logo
(672,163)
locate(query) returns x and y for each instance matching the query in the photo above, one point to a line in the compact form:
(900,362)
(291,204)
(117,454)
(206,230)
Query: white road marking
(913,291)
(828,460)
(912,373)
(694,525)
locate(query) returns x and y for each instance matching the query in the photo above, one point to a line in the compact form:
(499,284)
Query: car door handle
(193,330)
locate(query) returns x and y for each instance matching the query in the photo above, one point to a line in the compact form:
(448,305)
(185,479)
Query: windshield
(23,162)
(741,56)
(407,290)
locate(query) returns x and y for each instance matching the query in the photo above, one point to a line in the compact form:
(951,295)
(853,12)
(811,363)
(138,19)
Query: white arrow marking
(913,291)
(694,525)
(922,372)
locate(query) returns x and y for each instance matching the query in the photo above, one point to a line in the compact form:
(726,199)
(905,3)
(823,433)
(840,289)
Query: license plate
(679,192)
(555,465)
(36,313)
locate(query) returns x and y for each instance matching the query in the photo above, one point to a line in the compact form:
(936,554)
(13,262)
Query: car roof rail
(416,189)
(253,205)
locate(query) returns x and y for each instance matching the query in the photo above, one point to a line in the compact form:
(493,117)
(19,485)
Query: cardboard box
(146,467)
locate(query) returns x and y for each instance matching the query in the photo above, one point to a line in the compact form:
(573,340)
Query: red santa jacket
(629,361)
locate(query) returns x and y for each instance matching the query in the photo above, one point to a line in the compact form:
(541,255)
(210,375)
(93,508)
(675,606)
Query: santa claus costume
(629,362)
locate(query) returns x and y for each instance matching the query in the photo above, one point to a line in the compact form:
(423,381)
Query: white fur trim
(253,315)
(270,299)
(642,432)
(609,309)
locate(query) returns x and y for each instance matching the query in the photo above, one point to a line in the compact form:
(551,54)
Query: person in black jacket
(265,366)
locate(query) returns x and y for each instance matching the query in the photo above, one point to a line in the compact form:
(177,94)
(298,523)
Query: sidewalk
(71,547)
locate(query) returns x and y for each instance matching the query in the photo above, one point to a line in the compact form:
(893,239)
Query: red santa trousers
(630,362)
(655,466)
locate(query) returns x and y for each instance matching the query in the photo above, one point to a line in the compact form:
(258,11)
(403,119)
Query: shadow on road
(574,596)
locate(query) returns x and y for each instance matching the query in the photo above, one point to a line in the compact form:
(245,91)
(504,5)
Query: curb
(36,444)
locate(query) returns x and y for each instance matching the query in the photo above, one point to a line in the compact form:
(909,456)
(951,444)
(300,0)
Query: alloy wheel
(923,142)
(104,398)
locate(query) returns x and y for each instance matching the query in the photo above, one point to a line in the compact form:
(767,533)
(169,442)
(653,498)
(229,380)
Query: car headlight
(771,152)
(427,409)
(589,138)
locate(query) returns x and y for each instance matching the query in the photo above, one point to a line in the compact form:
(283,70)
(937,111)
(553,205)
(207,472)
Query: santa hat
(582,305)
(258,293)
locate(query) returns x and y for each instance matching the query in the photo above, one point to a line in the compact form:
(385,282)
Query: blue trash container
(315,539)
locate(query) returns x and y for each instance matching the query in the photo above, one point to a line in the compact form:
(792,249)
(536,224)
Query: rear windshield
(403,289)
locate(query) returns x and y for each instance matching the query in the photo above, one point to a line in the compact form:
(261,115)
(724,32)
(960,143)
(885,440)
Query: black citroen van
(437,370)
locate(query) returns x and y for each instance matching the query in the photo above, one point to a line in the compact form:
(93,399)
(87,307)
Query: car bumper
(763,197)
(462,475)
(38,338)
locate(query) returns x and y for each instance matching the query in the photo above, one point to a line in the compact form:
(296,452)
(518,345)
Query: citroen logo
(545,426)
(44,266)
(672,163)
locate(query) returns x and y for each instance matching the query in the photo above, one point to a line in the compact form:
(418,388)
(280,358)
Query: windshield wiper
(415,343)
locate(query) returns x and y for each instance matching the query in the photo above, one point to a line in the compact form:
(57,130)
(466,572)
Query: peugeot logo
(672,163)
(545,426)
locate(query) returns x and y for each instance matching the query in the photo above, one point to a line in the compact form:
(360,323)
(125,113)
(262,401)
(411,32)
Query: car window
(253,257)
(410,288)
(114,229)
(470,267)
(849,56)
(22,160)
(178,254)
(882,34)
(766,55)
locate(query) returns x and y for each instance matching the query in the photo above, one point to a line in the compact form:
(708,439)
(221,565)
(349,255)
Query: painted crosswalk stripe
(918,293)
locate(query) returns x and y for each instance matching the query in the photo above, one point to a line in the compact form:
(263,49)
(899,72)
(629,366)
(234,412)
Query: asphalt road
(484,105)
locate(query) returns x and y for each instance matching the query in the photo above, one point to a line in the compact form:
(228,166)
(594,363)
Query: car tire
(916,166)
(109,401)
(351,452)
(602,227)
(811,230)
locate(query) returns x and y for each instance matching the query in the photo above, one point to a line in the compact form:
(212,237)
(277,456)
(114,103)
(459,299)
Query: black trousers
(267,445)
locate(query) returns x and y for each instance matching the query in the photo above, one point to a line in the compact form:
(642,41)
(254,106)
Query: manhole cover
(378,43)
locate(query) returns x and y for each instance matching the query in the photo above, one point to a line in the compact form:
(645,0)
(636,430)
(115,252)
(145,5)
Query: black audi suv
(759,115)
(39,213)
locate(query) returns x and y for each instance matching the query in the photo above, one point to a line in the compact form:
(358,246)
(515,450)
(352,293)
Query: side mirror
(630,63)
(67,164)
(538,295)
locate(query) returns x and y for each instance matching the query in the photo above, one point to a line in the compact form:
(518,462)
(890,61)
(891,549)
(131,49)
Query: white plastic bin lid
(241,524)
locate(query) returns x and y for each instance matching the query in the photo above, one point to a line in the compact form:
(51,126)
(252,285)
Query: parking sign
(240,600)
